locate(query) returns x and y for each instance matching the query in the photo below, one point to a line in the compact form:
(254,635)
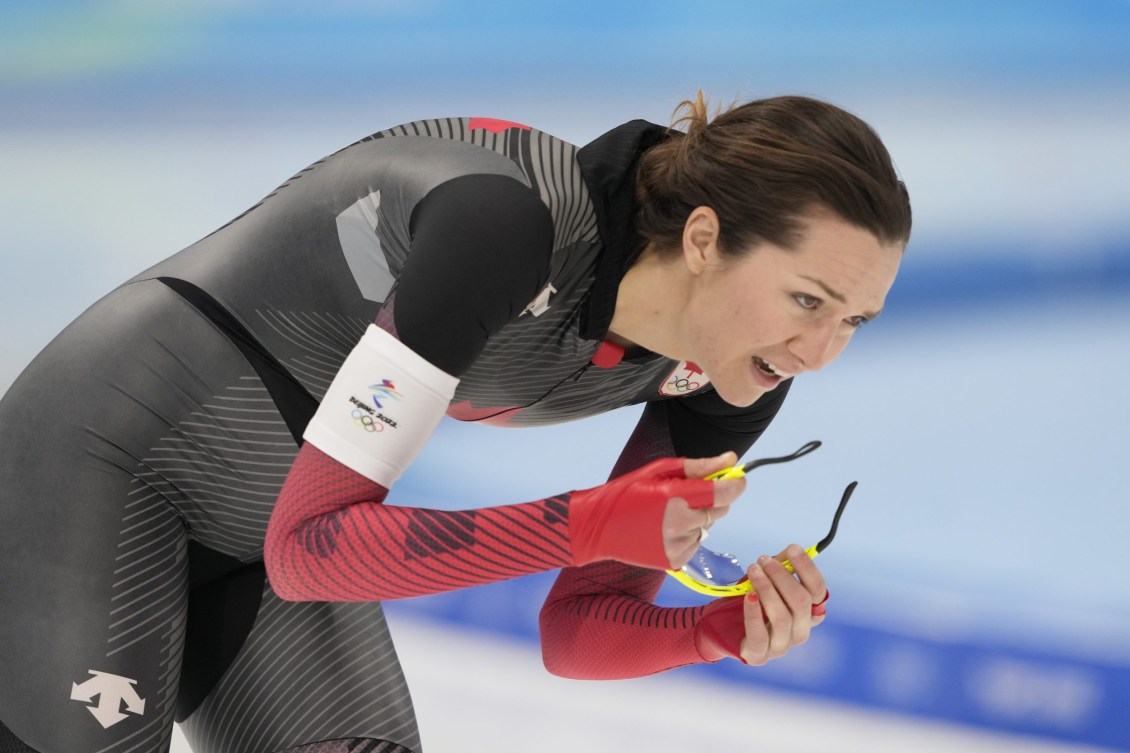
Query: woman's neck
(649,305)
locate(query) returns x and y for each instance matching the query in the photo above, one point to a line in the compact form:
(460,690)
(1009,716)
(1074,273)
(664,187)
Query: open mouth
(767,368)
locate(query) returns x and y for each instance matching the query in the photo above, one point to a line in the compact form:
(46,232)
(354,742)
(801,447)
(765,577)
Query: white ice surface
(479,694)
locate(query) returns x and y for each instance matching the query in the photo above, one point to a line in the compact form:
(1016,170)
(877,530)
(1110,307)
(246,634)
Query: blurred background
(979,595)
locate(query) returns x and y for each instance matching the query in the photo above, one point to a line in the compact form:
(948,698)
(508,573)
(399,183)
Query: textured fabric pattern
(9,743)
(356,745)
(180,439)
(598,623)
(334,539)
(307,672)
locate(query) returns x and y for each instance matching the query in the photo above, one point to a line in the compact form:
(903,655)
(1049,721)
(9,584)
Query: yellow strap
(810,551)
(735,471)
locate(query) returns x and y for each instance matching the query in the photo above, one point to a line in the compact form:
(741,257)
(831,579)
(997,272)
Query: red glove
(623,519)
(720,631)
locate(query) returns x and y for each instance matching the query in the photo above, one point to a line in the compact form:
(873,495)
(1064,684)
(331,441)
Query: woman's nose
(817,347)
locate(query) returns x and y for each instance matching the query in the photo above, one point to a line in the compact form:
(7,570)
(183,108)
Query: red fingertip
(753,599)
(819,609)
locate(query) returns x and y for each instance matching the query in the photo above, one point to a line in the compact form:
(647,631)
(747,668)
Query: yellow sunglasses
(719,574)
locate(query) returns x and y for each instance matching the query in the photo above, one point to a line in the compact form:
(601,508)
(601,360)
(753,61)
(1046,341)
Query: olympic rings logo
(367,422)
(682,384)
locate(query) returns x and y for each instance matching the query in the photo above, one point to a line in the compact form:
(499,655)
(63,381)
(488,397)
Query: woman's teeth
(767,367)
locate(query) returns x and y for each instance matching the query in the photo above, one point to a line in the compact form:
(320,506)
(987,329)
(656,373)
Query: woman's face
(754,321)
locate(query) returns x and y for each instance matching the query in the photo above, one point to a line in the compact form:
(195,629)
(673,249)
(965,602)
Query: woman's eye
(857,321)
(806,301)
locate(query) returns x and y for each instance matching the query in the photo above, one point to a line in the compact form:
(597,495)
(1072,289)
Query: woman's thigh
(308,672)
(139,428)
(140,456)
(93,590)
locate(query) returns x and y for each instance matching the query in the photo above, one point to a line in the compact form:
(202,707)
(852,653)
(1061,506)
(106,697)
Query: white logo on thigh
(112,692)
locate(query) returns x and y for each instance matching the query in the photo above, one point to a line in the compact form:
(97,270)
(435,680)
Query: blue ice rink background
(979,577)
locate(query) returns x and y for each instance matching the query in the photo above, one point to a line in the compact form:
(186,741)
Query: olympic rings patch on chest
(686,378)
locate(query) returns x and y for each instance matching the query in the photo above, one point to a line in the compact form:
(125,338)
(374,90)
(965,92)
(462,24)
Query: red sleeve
(331,538)
(599,624)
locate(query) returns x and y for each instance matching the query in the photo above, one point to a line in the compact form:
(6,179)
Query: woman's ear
(700,239)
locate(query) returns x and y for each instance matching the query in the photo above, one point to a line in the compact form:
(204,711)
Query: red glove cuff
(720,630)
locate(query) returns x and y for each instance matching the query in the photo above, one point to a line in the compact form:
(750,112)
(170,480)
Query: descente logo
(368,419)
(113,693)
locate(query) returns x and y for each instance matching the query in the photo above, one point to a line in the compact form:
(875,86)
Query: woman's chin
(740,396)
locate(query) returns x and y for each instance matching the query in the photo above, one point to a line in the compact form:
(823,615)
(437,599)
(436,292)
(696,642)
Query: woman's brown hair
(762,166)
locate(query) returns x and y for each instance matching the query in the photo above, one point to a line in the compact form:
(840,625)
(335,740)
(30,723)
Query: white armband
(381,408)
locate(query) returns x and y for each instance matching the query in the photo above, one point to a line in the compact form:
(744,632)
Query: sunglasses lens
(714,569)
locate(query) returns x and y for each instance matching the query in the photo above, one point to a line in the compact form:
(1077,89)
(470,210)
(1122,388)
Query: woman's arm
(480,250)
(599,621)
(332,539)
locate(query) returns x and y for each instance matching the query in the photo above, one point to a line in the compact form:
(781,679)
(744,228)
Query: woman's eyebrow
(837,296)
(827,290)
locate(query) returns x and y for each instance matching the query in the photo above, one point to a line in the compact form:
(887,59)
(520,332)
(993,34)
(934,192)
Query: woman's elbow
(558,644)
(279,561)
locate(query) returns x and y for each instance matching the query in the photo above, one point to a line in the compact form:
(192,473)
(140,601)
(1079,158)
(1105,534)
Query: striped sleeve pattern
(599,624)
(338,542)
